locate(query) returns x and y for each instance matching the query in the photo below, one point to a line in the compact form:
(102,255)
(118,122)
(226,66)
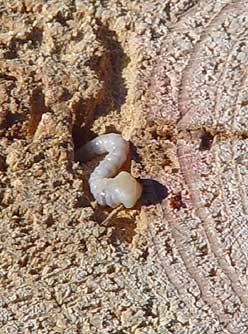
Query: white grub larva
(121,189)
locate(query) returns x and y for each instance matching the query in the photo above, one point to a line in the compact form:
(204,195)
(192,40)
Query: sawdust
(170,76)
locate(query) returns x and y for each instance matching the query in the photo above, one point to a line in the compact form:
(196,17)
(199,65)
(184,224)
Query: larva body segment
(123,188)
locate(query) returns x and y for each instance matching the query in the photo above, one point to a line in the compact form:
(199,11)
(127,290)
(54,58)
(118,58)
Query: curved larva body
(110,191)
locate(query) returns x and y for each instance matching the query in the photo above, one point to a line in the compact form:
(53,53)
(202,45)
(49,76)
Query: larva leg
(123,188)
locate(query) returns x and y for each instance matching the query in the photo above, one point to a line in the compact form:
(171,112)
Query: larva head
(126,189)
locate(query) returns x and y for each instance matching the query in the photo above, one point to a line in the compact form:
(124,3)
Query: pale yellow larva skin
(121,189)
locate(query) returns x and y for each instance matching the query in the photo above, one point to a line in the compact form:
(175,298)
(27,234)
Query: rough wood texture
(171,76)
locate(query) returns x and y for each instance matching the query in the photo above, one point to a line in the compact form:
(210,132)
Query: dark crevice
(38,108)
(111,74)
(3,164)
(109,69)
(81,132)
(206,141)
(61,19)
(14,119)
(123,229)
(167,10)
(176,202)
(153,192)
(4,76)
(134,153)
(36,36)
(10,54)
